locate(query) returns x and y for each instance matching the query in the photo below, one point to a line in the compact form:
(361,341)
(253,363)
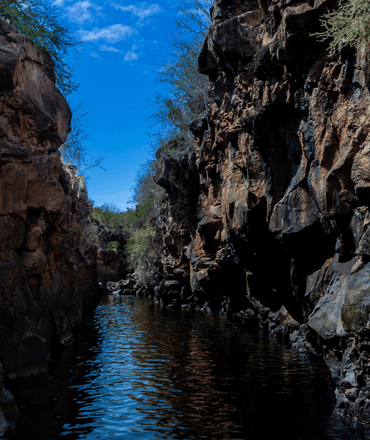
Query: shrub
(140,251)
(89,237)
(113,245)
(348,25)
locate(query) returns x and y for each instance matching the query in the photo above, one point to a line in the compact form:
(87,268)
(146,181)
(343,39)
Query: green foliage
(134,226)
(42,24)
(113,245)
(348,25)
(109,216)
(140,251)
(112,218)
(142,214)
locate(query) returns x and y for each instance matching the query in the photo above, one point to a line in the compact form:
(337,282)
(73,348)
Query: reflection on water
(141,372)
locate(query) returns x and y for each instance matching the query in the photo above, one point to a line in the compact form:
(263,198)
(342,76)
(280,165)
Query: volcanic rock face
(44,281)
(273,224)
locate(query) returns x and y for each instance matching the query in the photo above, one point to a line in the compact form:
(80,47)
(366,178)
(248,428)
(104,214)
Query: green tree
(347,25)
(109,215)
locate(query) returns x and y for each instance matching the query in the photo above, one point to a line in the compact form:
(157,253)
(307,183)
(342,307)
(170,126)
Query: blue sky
(123,43)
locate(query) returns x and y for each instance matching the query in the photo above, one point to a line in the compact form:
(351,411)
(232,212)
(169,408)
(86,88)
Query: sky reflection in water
(146,373)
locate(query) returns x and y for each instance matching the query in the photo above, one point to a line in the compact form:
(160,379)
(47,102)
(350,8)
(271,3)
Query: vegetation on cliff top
(42,24)
(349,25)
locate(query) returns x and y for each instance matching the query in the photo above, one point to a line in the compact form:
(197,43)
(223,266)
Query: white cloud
(141,10)
(109,49)
(112,34)
(131,56)
(82,11)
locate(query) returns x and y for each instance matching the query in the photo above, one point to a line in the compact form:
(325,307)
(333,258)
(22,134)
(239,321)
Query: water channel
(138,371)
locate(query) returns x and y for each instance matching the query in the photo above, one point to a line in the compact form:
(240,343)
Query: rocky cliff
(268,219)
(46,283)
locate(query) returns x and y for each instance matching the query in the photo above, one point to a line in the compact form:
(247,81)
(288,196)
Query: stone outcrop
(110,266)
(268,219)
(46,283)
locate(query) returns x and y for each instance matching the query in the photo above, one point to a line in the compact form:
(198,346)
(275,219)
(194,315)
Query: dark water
(141,372)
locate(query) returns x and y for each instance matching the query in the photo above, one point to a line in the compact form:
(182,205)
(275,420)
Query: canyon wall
(46,283)
(267,220)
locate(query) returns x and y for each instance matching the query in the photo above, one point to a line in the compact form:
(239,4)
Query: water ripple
(138,372)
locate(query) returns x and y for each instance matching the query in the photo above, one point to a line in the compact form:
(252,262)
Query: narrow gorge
(265,219)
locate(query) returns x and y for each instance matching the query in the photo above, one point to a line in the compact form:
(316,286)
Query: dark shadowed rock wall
(268,220)
(45,281)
